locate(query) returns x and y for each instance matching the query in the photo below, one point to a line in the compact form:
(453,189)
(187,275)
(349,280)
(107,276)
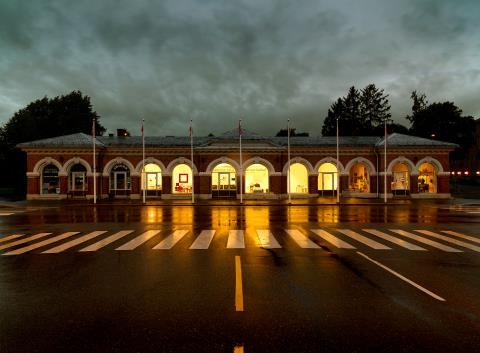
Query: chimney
(122,133)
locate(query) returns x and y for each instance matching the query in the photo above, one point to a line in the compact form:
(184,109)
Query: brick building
(62,167)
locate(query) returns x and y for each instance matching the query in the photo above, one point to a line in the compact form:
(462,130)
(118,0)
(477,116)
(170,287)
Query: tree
(334,112)
(351,122)
(419,103)
(374,108)
(284,133)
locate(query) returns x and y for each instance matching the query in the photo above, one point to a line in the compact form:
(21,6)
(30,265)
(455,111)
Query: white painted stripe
(40,244)
(104,242)
(367,241)
(10,237)
(203,240)
(24,240)
(450,240)
(238,285)
(402,277)
(301,239)
(265,239)
(461,235)
(74,242)
(332,239)
(171,240)
(424,240)
(400,242)
(136,242)
(5,214)
(236,239)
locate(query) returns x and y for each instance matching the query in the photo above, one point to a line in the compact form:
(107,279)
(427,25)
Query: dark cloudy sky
(217,60)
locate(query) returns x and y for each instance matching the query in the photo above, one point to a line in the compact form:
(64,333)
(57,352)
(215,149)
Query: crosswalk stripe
(425,241)
(108,240)
(5,214)
(400,242)
(10,237)
(74,242)
(265,239)
(24,240)
(203,240)
(339,243)
(236,239)
(450,240)
(367,241)
(171,240)
(301,239)
(136,242)
(461,235)
(40,244)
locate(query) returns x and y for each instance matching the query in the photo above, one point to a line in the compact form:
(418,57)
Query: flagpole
(338,164)
(241,160)
(143,164)
(385,166)
(191,159)
(288,156)
(94,164)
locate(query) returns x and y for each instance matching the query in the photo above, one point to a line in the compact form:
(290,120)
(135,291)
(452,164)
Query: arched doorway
(151,179)
(427,178)
(224,181)
(120,182)
(78,180)
(298,179)
(182,179)
(327,179)
(400,179)
(256,179)
(359,178)
(50,181)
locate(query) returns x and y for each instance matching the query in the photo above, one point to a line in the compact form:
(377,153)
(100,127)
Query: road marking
(104,242)
(266,239)
(238,285)
(301,239)
(10,237)
(136,242)
(400,242)
(332,239)
(171,240)
(450,240)
(367,241)
(461,235)
(203,240)
(24,240)
(402,277)
(5,214)
(74,242)
(236,239)
(425,241)
(40,244)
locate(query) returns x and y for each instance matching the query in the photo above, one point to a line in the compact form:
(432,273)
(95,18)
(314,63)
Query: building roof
(81,139)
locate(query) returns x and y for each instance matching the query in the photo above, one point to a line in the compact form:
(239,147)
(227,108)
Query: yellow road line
(238,285)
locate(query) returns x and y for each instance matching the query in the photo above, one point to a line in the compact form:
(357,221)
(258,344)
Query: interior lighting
(478,172)
(459,173)
(466,173)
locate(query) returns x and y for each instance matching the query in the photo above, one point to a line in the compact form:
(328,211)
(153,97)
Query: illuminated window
(427,178)
(256,179)
(298,179)
(400,178)
(224,180)
(182,179)
(152,177)
(359,179)
(327,177)
(50,180)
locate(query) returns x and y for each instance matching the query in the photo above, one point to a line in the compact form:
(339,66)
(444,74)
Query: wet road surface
(373,278)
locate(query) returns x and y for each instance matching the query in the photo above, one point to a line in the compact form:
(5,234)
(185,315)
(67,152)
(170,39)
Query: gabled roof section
(246,135)
(397,139)
(73,140)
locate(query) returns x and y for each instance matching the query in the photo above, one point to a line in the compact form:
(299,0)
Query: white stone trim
(300,160)
(148,160)
(340,167)
(180,160)
(42,163)
(368,163)
(215,162)
(412,169)
(118,160)
(77,160)
(435,162)
(262,161)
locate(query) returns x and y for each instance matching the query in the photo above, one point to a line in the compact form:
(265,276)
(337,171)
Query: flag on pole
(240,132)
(144,186)
(191,159)
(94,164)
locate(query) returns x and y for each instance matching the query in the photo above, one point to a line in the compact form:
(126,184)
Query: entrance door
(226,186)
(120,182)
(78,183)
(328,183)
(400,183)
(153,184)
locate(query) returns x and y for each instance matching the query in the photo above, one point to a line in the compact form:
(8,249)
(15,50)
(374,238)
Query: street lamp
(338,165)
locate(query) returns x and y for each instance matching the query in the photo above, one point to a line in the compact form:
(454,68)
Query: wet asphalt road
(325,299)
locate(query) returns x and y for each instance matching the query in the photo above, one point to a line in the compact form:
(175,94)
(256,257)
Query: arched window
(400,179)
(327,178)
(298,179)
(182,179)
(50,180)
(427,178)
(224,180)
(359,178)
(78,180)
(151,179)
(120,179)
(256,179)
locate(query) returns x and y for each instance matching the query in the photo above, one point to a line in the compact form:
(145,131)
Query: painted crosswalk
(128,240)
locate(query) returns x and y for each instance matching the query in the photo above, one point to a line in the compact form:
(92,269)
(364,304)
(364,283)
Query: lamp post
(385,166)
(338,164)
(288,157)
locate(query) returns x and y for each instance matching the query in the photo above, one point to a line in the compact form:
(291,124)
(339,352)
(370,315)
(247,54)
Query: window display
(327,178)
(151,178)
(298,179)
(182,179)
(427,179)
(256,179)
(400,179)
(224,180)
(50,180)
(359,178)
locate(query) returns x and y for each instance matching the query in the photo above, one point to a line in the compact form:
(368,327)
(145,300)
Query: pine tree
(374,109)
(350,122)
(330,123)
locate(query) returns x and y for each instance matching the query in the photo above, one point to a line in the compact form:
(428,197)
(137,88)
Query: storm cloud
(217,61)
